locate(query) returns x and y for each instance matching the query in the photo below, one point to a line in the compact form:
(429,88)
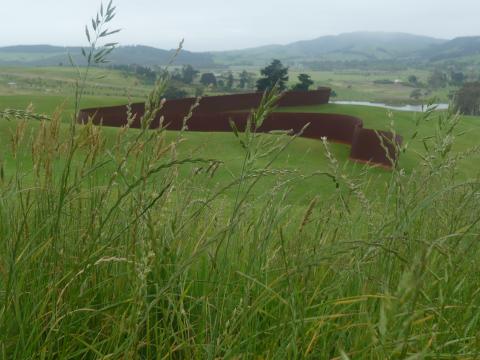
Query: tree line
(466,98)
(273,74)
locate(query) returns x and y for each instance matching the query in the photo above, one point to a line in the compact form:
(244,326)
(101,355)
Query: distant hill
(46,55)
(372,48)
(455,49)
(349,46)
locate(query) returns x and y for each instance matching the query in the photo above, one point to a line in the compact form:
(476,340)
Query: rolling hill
(46,55)
(370,47)
(349,46)
(461,47)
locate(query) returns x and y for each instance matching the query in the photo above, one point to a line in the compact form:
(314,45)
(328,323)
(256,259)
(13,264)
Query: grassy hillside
(304,157)
(454,49)
(144,245)
(360,46)
(407,124)
(60,80)
(45,55)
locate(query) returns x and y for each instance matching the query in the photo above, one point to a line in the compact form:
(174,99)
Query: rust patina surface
(214,112)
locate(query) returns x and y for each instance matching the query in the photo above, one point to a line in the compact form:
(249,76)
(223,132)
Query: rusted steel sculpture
(214,113)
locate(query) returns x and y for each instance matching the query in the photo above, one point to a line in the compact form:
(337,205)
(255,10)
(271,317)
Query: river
(413,108)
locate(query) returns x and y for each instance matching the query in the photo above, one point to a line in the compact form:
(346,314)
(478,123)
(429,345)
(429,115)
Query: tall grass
(113,254)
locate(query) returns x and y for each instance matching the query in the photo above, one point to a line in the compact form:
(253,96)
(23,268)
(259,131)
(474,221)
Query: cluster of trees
(225,82)
(277,74)
(245,80)
(186,74)
(191,77)
(467,99)
(305,81)
(273,74)
(438,79)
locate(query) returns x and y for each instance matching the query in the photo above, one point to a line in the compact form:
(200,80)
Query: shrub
(384,82)
(173,92)
(208,79)
(304,84)
(416,94)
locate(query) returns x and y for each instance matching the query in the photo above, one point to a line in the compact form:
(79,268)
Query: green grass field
(405,124)
(60,81)
(359,85)
(174,245)
(303,156)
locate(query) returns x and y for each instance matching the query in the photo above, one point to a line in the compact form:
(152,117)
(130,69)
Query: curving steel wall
(214,112)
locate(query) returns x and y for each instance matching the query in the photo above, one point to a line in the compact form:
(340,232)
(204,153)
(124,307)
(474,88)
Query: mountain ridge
(346,46)
(354,46)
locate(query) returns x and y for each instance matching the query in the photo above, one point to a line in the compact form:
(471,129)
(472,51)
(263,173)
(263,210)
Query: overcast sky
(233,24)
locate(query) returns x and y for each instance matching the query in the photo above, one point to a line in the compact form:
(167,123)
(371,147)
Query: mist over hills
(47,55)
(461,47)
(358,46)
(343,47)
